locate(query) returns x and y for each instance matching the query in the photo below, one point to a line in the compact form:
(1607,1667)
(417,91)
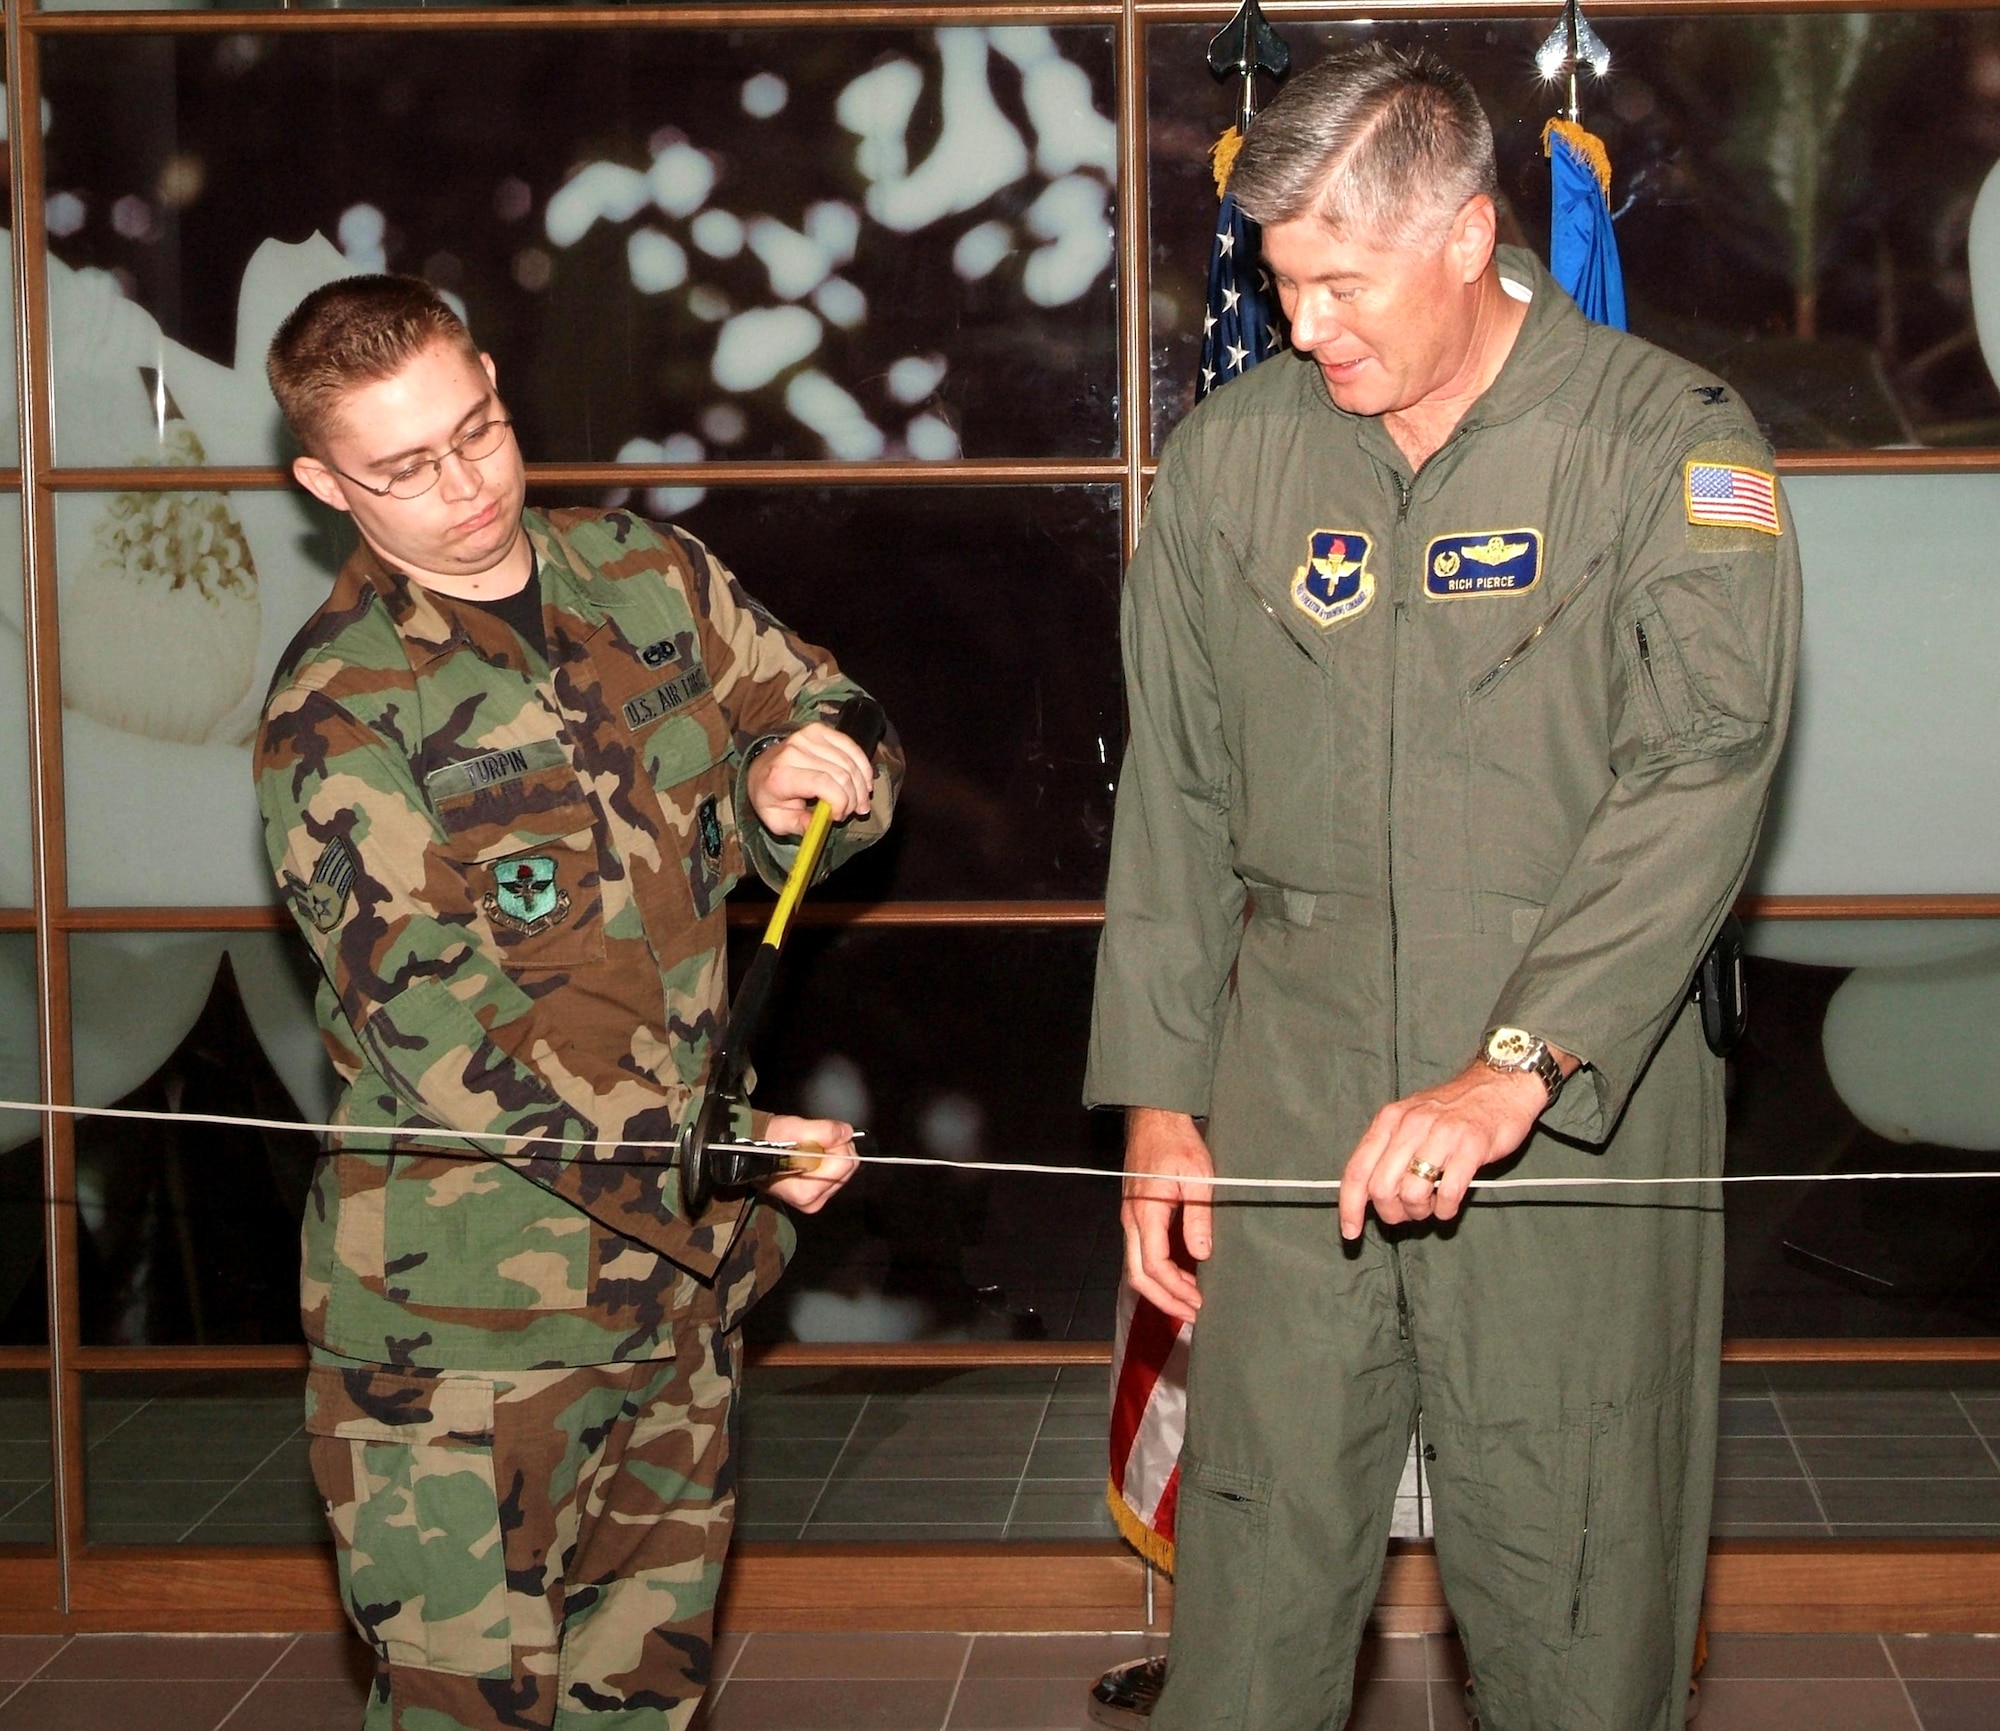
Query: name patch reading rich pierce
(1334,584)
(665,699)
(507,763)
(1482,562)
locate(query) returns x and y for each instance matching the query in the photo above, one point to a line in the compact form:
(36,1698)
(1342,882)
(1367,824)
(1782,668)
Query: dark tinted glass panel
(1793,196)
(986,619)
(799,243)
(23,1277)
(187,1459)
(1870,1050)
(27,1515)
(831,1455)
(1866,1451)
(949,1044)
(189,1233)
(16,802)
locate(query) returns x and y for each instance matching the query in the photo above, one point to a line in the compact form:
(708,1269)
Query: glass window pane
(17,889)
(23,1276)
(1793,191)
(840,242)
(1013,1454)
(1870,1049)
(173,611)
(180,1458)
(1891,784)
(959,1044)
(1867,1451)
(190,1234)
(27,1510)
(986,620)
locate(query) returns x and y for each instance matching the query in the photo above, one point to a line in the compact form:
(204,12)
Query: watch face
(1510,1046)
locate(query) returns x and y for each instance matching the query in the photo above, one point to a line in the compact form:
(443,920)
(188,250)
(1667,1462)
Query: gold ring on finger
(1429,1171)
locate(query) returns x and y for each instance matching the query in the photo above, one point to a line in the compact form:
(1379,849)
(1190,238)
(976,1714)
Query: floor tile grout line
(61,1647)
(1902,1683)
(1805,1471)
(270,1456)
(257,1684)
(958,1683)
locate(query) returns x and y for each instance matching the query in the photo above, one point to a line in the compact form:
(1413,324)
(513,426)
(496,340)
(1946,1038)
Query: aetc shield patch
(1482,562)
(525,896)
(1334,584)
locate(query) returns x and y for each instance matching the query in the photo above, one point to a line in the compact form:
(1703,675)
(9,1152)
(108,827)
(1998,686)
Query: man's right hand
(1161,1148)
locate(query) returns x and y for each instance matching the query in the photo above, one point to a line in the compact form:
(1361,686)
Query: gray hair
(1384,145)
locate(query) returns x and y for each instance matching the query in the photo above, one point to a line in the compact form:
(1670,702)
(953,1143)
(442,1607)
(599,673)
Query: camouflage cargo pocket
(404,1464)
(476,1235)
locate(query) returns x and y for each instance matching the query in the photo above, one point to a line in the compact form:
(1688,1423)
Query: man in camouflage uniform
(1459,648)
(509,771)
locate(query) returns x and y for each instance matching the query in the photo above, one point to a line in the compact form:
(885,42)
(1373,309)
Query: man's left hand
(809,1192)
(816,763)
(1480,1116)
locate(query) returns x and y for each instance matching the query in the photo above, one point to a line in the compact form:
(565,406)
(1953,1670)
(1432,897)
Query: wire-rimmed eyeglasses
(414,480)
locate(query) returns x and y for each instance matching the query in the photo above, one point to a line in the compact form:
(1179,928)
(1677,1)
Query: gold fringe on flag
(1156,1550)
(1586,144)
(1222,158)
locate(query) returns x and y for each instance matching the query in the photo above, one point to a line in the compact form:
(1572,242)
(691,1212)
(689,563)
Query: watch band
(1514,1051)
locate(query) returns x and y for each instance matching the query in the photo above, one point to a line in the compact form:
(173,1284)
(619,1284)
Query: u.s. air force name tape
(431,1134)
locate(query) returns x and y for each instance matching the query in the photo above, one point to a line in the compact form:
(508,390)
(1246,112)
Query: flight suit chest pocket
(523,831)
(685,744)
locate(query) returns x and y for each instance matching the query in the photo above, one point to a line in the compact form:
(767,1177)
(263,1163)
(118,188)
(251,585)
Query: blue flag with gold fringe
(1583,250)
(1240,325)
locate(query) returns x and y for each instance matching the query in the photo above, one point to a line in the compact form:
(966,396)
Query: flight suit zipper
(1402,1297)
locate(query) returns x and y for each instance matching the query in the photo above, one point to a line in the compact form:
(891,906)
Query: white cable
(1215,1182)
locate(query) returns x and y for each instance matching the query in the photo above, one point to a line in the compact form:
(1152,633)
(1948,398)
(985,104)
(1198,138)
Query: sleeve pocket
(1689,670)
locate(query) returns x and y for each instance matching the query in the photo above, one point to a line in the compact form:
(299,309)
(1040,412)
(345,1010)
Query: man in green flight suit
(1460,647)
(508,772)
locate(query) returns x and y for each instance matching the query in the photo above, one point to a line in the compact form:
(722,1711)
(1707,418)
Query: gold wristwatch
(1519,1052)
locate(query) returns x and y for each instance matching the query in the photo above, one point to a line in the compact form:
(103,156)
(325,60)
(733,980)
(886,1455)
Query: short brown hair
(1384,145)
(348,333)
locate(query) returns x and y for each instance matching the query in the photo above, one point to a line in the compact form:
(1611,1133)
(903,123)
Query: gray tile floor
(944,1682)
(1806,1452)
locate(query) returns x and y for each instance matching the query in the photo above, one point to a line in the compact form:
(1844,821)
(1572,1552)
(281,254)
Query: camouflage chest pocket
(524,833)
(404,1465)
(684,743)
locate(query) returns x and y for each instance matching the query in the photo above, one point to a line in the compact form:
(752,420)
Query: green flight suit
(1412,756)
(511,867)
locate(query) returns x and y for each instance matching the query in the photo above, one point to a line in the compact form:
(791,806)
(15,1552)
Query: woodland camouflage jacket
(512,874)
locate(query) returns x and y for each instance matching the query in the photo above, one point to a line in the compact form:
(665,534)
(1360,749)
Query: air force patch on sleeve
(324,899)
(1483,562)
(1334,584)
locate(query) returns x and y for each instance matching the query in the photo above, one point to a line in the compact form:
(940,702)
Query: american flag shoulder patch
(1731,496)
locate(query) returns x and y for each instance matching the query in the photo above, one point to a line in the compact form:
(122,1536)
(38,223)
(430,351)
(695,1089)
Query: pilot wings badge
(1334,584)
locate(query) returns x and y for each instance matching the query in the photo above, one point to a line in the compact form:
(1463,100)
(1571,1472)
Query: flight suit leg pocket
(404,1464)
(1221,1560)
(1568,1615)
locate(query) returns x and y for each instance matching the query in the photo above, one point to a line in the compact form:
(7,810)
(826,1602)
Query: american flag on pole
(1240,327)
(1240,324)
(1730,496)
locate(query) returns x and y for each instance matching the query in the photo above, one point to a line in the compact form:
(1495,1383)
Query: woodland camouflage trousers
(538,1549)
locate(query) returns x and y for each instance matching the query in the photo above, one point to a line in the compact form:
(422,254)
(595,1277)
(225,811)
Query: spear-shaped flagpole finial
(1568,48)
(1244,47)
